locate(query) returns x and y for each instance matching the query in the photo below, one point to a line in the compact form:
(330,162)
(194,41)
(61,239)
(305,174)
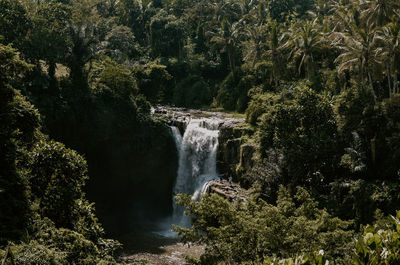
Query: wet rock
(227,189)
(178,117)
(180,121)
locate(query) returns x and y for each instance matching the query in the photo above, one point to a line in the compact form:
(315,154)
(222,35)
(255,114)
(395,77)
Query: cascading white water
(176,134)
(197,161)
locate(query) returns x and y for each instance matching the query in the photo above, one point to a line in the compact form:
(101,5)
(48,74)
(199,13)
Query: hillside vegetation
(316,80)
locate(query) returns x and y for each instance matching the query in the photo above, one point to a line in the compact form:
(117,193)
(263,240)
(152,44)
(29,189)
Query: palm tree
(304,39)
(220,10)
(355,42)
(245,7)
(255,47)
(226,38)
(377,12)
(356,52)
(388,52)
(274,53)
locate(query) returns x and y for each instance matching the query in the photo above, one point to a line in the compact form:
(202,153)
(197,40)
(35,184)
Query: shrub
(57,177)
(253,231)
(107,75)
(259,104)
(303,128)
(75,247)
(32,253)
(379,245)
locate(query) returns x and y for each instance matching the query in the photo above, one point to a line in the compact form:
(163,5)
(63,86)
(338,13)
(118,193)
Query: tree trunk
(52,69)
(275,65)
(231,59)
(373,149)
(310,70)
(388,74)
(361,72)
(372,86)
(180,51)
(53,85)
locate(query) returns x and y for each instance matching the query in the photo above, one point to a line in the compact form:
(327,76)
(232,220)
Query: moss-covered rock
(230,153)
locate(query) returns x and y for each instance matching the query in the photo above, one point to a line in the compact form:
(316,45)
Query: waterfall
(197,152)
(177,137)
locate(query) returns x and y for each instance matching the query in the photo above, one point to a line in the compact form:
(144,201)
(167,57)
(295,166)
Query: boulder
(227,189)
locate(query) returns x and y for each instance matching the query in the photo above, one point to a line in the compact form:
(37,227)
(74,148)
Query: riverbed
(152,249)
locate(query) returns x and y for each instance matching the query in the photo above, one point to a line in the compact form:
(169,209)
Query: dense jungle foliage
(316,79)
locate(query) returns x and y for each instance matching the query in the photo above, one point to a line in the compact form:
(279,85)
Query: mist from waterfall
(197,153)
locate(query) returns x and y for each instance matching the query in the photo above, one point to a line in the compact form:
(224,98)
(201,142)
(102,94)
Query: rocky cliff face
(234,154)
(246,162)
(229,147)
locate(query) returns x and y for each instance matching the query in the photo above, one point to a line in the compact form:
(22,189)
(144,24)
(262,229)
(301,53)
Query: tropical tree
(131,14)
(18,119)
(280,10)
(121,44)
(274,53)
(14,22)
(356,52)
(226,38)
(355,43)
(108,8)
(388,52)
(377,12)
(261,12)
(343,17)
(220,10)
(245,10)
(166,35)
(48,38)
(82,31)
(303,129)
(255,46)
(303,41)
(256,232)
